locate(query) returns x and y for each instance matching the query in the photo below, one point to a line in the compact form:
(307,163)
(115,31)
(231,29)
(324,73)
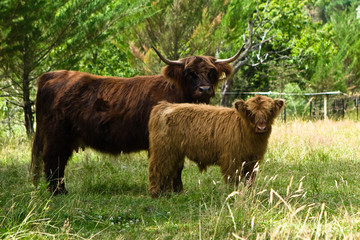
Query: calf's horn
(233,58)
(167,61)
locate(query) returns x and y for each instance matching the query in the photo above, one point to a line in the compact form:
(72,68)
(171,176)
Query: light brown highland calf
(233,138)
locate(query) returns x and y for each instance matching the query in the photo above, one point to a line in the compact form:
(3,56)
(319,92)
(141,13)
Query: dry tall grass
(308,187)
(294,140)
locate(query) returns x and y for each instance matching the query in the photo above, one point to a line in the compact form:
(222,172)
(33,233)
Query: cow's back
(109,114)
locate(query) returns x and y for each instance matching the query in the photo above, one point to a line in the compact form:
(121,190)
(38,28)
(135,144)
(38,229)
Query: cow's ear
(240,106)
(279,105)
(224,69)
(174,73)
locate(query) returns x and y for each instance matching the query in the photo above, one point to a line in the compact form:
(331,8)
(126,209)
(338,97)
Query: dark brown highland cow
(233,138)
(110,114)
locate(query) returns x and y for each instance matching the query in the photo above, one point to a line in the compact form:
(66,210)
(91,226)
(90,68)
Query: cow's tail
(36,165)
(36,158)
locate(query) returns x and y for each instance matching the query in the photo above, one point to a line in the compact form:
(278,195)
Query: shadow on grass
(14,179)
(117,187)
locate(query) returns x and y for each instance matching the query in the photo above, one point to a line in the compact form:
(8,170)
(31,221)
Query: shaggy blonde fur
(233,138)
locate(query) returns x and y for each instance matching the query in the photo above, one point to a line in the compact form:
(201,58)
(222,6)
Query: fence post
(311,103)
(357,107)
(325,106)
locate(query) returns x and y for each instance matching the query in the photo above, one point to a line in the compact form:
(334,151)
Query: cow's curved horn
(233,58)
(167,61)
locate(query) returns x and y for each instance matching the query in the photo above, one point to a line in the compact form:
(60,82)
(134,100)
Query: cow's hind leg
(55,158)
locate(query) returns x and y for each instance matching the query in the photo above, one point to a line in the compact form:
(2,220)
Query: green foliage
(108,59)
(347,38)
(91,29)
(5,115)
(336,51)
(296,105)
(179,28)
(277,26)
(313,48)
(38,36)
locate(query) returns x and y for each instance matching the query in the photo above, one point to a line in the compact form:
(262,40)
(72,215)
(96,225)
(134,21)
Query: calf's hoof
(155,194)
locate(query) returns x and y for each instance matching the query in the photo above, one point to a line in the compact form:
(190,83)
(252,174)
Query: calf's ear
(279,105)
(240,106)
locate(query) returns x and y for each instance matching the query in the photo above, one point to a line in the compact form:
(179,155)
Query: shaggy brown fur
(109,114)
(233,138)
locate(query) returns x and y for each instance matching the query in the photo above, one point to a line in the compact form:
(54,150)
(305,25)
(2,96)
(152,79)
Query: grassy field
(308,187)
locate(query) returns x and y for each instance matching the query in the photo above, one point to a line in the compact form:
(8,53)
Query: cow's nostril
(205,90)
(261,129)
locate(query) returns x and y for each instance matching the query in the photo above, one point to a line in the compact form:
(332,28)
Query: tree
(269,30)
(39,35)
(110,58)
(179,28)
(338,63)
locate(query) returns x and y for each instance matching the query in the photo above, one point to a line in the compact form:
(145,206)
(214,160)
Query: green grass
(307,188)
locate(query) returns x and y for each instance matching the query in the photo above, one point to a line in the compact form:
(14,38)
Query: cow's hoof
(58,190)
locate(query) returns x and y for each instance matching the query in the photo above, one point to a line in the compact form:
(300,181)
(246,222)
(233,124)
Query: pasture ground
(307,188)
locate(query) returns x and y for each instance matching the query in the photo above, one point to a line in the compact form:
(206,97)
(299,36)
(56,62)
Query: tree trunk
(225,92)
(228,84)
(27,106)
(29,120)
(27,103)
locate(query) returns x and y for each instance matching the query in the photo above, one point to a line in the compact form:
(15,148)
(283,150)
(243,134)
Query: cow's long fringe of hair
(36,165)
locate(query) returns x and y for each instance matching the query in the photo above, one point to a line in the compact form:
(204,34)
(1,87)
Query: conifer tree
(40,35)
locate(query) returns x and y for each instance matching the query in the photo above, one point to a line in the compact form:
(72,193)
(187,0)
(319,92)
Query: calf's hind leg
(249,171)
(177,182)
(164,174)
(230,170)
